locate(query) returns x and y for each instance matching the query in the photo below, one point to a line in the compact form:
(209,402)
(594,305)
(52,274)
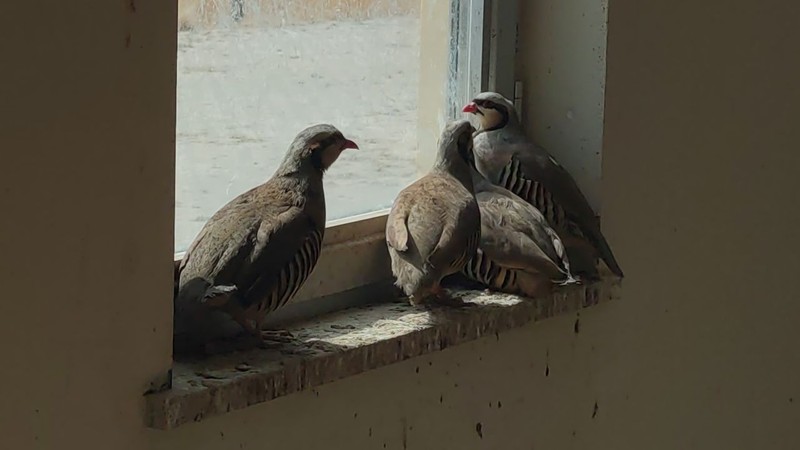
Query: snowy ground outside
(245,92)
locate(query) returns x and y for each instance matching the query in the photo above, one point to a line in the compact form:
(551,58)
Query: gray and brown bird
(519,253)
(253,255)
(433,228)
(508,158)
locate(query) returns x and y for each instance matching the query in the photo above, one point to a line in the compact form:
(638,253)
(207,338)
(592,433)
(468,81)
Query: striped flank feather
(533,192)
(469,251)
(294,274)
(483,270)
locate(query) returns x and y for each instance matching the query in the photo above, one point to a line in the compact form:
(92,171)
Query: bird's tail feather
(569,281)
(605,253)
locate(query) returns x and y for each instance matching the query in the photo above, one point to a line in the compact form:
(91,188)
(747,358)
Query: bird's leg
(271,338)
(416,300)
(436,293)
(235,343)
(439,293)
(242,318)
(421,297)
(253,329)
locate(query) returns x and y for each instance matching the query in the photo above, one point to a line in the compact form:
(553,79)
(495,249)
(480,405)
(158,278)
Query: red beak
(470,108)
(350,144)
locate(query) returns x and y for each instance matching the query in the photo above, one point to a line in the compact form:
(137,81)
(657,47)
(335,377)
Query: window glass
(253,73)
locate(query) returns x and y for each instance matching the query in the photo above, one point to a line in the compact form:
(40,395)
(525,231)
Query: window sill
(347,343)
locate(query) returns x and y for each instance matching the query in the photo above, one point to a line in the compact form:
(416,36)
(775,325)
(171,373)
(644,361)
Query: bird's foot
(453,302)
(444,298)
(275,338)
(440,294)
(415,300)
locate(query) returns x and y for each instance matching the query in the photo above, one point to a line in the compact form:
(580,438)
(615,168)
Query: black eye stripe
(325,143)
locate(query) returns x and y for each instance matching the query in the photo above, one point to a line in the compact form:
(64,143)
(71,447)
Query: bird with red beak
(492,111)
(507,157)
(254,254)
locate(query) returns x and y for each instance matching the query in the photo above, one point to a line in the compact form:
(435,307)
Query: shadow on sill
(348,342)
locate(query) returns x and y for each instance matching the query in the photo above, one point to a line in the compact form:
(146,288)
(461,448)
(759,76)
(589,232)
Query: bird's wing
(509,159)
(223,242)
(460,236)
(396,226)
(514,238)
(286,250)
(539,165)
(245,243)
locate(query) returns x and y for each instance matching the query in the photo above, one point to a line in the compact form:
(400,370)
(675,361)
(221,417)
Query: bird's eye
(322,144)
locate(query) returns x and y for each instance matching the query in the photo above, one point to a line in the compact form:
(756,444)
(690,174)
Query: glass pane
(253,73)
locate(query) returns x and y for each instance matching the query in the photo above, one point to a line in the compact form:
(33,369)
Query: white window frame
(354,267)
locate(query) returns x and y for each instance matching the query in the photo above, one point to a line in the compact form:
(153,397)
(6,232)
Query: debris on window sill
(349,342)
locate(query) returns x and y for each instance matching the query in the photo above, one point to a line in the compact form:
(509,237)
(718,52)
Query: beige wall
(699,167)
(563,68)
(86,210)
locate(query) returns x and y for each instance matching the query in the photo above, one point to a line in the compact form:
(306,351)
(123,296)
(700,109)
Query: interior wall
(86,210)
(699,173)
(562,64)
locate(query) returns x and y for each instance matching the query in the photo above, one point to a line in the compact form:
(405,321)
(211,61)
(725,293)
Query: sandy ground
(245,92)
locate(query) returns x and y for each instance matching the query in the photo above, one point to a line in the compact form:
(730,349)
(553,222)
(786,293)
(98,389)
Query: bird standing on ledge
(433,227)
(518,253)
(505,156)
(254,254)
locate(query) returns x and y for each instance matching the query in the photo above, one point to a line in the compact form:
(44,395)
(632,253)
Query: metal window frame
(503,31)
(354,267)
(484,34)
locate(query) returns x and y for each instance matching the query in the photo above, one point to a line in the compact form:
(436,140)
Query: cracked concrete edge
(197,395)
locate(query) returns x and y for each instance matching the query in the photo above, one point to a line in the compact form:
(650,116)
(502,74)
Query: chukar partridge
(519,253)
(507,158)
(253,255)
(433,228)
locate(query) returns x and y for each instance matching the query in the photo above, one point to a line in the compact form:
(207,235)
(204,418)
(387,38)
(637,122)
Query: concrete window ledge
(350,342)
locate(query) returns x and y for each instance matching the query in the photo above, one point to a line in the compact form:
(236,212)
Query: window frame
(354,267)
